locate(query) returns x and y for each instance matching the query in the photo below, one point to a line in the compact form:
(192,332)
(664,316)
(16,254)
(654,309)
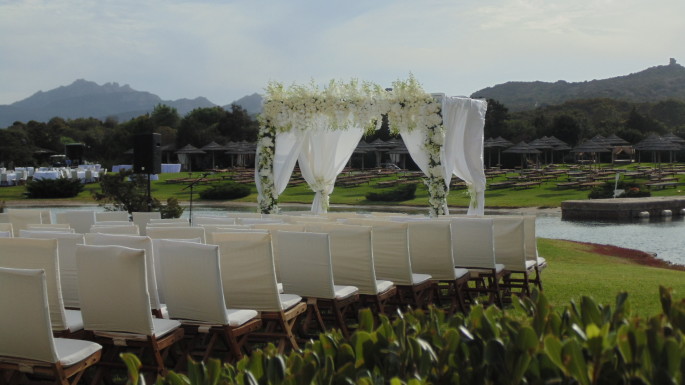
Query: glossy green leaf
(133,366)
(572,356)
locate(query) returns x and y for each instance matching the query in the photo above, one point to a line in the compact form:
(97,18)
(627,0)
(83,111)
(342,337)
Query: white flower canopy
(319,129)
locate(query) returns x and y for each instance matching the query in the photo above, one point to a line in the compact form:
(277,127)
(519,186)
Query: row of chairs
(400,251)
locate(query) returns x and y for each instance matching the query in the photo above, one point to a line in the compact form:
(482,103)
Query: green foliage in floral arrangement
(53,188)
(401,193)
(631,190)
(226,191)
(531,343)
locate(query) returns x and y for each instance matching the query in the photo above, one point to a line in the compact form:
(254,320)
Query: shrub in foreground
(226,191)
(584,343)
(53,188)
(403,192)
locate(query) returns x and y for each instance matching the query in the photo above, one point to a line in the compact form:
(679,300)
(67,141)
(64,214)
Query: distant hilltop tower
(672,62)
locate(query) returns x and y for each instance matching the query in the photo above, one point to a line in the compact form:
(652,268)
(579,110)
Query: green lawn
(575,271)
(545,195)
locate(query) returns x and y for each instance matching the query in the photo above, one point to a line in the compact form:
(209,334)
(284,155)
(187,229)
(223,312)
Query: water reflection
(661,236)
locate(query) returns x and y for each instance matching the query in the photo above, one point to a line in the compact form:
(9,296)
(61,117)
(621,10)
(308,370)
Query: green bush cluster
(53,188)
(631,190)
(225,191)
(584,343)
(400,193)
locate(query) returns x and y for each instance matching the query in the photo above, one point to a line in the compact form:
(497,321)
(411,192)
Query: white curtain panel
(324,154)
(464,119)
(288,147)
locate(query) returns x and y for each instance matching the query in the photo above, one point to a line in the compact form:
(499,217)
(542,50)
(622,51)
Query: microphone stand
(190,186)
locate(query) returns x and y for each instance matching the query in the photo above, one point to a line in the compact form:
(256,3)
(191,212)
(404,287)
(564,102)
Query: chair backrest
(191,280)
(24,304)
(114,223)
(142,218)
(248,274)
(510,246)
(66,255)
(20,218)
(134,242)
(391,256)
(26,253)
(79,220)
(272,228)
(351,255)
(177,221)
(112,216)
(4,218)
(176,232)
(305,219)
(531,240)
(430,247)
(473,243)
(202,220)
(238,214)
(256,221)
(114,295)
(7,230)
(305,264)
(210,234)
(48,226)
(115,229)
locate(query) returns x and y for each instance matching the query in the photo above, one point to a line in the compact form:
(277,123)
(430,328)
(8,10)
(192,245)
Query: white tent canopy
(322,139)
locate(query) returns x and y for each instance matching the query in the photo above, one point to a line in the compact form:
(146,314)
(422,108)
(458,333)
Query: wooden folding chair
(473,248)
(7,230)
(353,262)
(34,351)
(306,270)
(191,278)
(116,308)
(66,251)
(115,229)
(135,242)
(28,253)
(112,216)
(532,249)
(249,282)
(510,250)
(392,262)
(430,248)
(79,220)
(141,219)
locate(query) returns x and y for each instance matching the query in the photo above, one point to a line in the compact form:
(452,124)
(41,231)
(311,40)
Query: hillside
(653,84)
(84,98)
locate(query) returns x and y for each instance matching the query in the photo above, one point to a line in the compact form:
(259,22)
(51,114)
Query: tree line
(108,141)
(578,120)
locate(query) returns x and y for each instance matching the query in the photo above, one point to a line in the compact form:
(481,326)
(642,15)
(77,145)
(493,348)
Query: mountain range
(650,85)
(85,98)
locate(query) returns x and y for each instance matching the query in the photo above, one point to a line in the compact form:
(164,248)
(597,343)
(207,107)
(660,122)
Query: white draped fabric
(288,147)
(464,119)
(415,142)
(324,154)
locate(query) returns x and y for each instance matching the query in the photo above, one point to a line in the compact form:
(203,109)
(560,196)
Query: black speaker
(147,154)
(74,151)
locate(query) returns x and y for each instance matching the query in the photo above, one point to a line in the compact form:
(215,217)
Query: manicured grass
(575,271)
(548,194)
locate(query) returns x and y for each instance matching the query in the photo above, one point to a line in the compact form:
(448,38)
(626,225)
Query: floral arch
(320,128)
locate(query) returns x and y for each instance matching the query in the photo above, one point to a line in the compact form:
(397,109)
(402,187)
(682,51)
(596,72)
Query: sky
(224,50)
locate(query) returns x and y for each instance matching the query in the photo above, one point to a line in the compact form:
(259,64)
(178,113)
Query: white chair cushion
(542,262)
(530,264)
(459,272)
(74,319)
(289,300)
(417,278)
(237,317)
(342,292)
(476,272)
(161,327)
(70,351)
(383,286)
(280,287)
